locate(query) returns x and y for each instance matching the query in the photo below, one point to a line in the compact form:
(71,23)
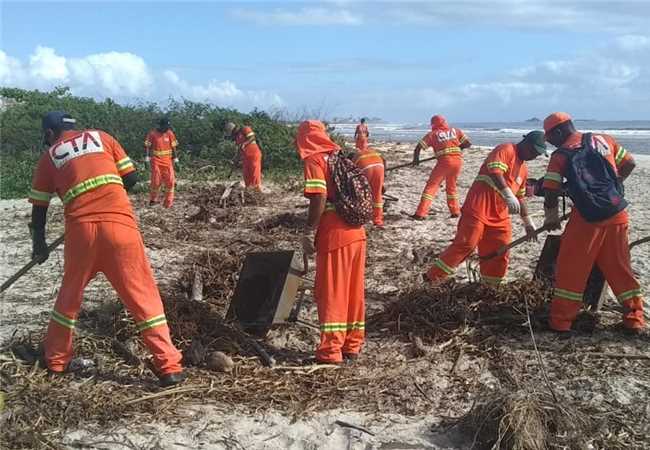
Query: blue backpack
(593,185)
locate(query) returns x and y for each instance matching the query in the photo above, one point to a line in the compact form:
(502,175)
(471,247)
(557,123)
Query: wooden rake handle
(521,240)
(26,268)
(410,164)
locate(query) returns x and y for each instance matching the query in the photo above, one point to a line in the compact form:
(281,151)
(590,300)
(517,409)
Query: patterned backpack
(353,195)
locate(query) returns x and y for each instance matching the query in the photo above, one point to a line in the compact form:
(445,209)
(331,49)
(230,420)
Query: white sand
(26,305)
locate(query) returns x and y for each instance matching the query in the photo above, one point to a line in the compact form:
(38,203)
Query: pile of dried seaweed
(214,202)
(286,221)
(437,313)
(517,419)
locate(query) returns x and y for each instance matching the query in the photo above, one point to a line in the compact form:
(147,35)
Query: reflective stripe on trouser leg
(431,189)
(581,243)
(155,182)
(169,181)
(493,270)
(468,235)
(339,296)
(127,268)
(252,166)
(615,263)
(79,268)
(453,171)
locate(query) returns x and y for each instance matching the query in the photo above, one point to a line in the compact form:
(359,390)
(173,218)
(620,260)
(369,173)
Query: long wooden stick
(640,241)
(521,240)
(29,265)
(410,164)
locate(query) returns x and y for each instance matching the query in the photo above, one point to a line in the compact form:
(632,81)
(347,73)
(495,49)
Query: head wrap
(312,139)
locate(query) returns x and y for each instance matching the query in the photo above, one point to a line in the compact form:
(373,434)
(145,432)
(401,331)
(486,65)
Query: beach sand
(391,268)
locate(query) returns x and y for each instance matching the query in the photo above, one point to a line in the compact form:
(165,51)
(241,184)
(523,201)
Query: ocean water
(633,135)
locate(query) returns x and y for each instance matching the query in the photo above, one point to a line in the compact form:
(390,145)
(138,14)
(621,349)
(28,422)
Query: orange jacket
(484,200)
(445,142)
(615,154)
(85,169)
(161,145)
(368,158)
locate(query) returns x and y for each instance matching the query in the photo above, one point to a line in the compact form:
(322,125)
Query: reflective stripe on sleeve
(40,196)
(124,163)
(315,183)
(620,155)
(498,165)
(89,185)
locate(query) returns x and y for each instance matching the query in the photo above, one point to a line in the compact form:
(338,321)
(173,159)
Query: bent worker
(340,252)
(160,148)
(249,153)
(498,191)
(361,134)
(447,143)
(373,165)
(597,231)
(90,171)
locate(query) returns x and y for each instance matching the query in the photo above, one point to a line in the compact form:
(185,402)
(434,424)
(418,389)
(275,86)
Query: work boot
(172,379)
(153,202)
(416,217)
(454,215)
(350,358)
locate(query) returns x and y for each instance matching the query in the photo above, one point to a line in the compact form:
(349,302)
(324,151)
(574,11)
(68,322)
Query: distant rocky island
(351,119)
(534,120)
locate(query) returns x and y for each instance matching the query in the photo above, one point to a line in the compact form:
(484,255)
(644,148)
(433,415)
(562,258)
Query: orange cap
(554,120)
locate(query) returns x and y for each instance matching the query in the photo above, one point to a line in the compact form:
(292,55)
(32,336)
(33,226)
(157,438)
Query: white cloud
(307,16)
(122,76)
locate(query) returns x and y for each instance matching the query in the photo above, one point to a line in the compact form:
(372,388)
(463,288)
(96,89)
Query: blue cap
(58,120)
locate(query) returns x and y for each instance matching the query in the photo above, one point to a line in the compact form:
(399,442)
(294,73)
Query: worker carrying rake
(249,153)
(160,147)
(595,166)
(90,172)
(448,144)
(340,248)
(497,192)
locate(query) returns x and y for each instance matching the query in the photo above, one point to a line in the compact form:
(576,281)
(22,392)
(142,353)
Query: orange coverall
(101,235)
(485,222)
(372,165)
(361,136)
(161,145)
(251,157)
(446,143)
(583,244)
(340,257)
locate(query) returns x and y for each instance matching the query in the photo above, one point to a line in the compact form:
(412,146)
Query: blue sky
(402,61)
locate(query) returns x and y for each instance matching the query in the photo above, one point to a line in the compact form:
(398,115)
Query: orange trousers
(340,297)
(582,245)
(473,233)
(447,169)
(162,174)
(117,251)
(252,166)
(361,142)
(375,175)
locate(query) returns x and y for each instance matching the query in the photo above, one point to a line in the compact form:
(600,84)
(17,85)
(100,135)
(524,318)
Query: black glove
(40,251)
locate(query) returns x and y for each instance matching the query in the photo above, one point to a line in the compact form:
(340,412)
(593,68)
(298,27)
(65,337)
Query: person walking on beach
(340,250)
(447,143)
(361,134)
(249,153)
(373,166)
(595,166)
(160,151)
(90,172)
(498,191)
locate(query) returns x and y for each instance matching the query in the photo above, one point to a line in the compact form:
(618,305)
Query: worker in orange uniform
(373,165)
(90,173)
(160,151)
(498,191)
(447,143)
(340,252)
(249,154)
(361,134)
(594,234)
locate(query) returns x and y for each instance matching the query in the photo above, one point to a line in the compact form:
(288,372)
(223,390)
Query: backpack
(592,182)
(352,190)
